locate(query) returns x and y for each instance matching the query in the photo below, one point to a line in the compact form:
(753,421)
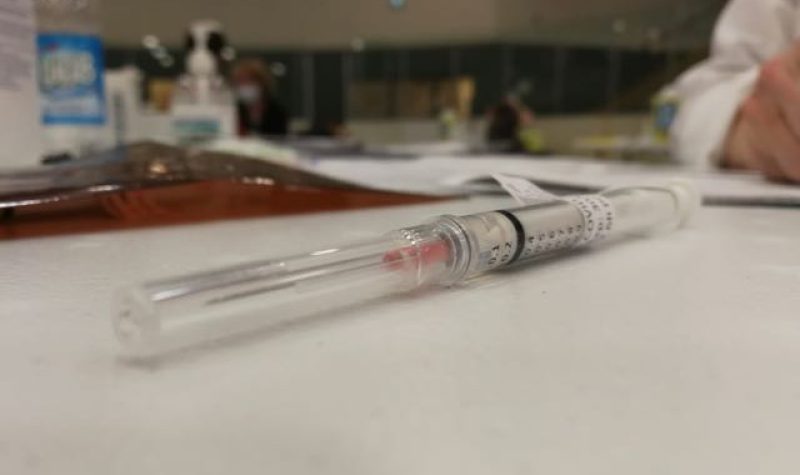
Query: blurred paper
(20,129)
(450,175)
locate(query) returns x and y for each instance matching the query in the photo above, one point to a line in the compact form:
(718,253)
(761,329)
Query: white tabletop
(678,354)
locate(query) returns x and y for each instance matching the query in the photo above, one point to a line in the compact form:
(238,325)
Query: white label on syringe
(597,211)
(522,190)
(598,214)
(559,225)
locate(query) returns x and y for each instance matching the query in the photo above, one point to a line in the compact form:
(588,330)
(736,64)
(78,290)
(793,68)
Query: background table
(678,354)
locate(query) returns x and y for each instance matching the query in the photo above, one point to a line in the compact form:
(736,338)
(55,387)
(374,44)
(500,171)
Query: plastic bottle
(203,106)
(70,72)
(664,110)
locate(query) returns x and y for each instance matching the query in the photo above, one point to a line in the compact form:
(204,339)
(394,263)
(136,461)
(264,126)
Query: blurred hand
(765,134)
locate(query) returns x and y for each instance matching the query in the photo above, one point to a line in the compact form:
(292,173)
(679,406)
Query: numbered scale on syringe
(507,236)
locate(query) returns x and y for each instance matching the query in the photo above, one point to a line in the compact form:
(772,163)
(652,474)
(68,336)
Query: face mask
(248,93)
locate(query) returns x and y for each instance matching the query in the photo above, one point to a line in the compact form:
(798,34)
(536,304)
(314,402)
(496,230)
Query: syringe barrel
(497,239)
(168,314)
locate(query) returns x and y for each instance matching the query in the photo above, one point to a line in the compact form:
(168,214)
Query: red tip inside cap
(430,253)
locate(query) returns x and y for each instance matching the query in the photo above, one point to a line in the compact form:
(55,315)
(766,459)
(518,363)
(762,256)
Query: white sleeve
(749,33)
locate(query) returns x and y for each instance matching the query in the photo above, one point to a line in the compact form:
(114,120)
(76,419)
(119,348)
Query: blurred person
(505,123)
(260,113)
(511,128)
(741,107)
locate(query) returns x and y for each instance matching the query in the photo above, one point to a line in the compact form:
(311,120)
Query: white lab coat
(748,33)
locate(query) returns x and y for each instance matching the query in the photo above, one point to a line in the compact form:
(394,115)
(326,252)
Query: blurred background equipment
(202,102)
(588,70)
(71,65)
(384,80)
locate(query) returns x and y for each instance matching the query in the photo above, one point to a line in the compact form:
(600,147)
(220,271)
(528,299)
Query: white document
(453,175)
(721,188)
(20,124)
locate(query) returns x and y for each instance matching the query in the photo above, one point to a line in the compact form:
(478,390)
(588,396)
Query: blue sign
(71,79)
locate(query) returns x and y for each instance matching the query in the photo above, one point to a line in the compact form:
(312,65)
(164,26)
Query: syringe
(164,315)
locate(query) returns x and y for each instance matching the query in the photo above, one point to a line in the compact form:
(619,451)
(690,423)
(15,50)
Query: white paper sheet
(443,175)
(20,129)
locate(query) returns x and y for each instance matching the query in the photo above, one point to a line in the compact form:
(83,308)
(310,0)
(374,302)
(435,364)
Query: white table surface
(675,355)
